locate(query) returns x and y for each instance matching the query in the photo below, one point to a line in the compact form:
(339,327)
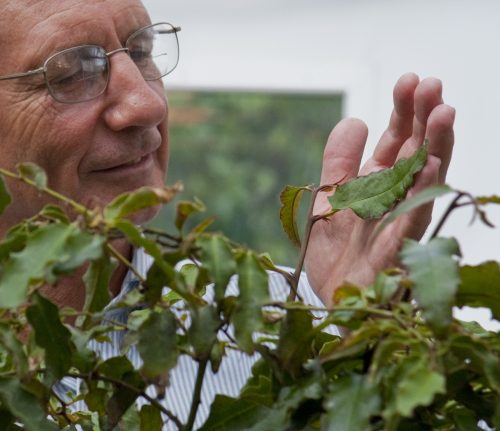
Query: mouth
(138,163)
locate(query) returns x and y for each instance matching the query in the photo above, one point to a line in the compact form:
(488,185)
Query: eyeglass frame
(43,69)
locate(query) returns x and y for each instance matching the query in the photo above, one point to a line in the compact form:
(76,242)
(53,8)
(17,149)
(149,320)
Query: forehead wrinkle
(54,25)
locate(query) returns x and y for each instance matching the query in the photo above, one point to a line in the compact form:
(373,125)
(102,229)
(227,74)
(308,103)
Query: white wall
(360,47)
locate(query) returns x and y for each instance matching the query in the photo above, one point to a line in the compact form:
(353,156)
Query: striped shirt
(233,372)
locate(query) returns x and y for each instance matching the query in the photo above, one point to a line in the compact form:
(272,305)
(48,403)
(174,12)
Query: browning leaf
(290,199)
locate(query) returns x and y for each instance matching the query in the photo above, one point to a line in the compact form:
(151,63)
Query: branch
(453,205)
(122,259)
(75,205)
(132,388)
(197,393)
(311,220)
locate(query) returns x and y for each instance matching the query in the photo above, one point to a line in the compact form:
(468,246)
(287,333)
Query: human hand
(339,249)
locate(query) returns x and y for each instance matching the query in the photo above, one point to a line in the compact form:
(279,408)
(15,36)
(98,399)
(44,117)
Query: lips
(126,165)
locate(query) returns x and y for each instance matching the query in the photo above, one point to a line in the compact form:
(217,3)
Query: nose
(130,100)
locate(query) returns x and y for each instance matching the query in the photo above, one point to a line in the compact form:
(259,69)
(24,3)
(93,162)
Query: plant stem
(75,205)
(122,259)
(293,281)
(453,205)
(132,388)
(202,367)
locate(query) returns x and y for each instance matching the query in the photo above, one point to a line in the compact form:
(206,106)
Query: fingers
(413,103)
(414,224)
(343,151)
(401,121)
(342,156)
(428,95)
(441,137)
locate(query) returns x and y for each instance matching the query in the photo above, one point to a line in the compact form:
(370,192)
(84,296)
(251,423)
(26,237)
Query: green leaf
(295,342)
(115,367)
(50,250)
(259,390)
(97,280)
(386,285)
(51,335)
(54,213)
(203,330)
(350,403)
(290,199)
(34,173)
(14,242)
(373,195)
(496,416)
(186,209)
(157,344)
(5,198)
(434,271)
(24,406)
(122,400)
(131,202)
(79,248)
(411,384)
(419,388)
(217,258)
(150,418)
(476,355)
(10,342)
(229,414)
(465,420)
(424,197)
(253,286)
(480,287)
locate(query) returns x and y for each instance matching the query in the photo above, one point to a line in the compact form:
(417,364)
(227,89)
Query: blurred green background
(237,150)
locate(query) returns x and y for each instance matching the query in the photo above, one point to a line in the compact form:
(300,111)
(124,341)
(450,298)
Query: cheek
(40,133)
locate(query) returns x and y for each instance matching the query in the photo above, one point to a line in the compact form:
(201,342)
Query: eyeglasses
(81,73)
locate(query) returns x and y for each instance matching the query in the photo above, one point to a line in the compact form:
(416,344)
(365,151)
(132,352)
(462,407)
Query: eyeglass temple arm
(22,75)
(170,30)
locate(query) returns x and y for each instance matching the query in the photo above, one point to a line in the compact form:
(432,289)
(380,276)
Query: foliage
(247,146)
(406,364)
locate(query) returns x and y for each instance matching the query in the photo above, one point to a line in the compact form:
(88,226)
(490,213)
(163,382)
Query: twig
(64,407)
(197,393)
(453,205)
(76,206)
(122,259)
(132,388)
(311,220)
(162,234)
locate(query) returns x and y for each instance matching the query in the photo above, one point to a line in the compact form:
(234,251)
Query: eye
(77,73)
(141,50)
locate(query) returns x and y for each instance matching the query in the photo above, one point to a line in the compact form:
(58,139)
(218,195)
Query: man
(97,138)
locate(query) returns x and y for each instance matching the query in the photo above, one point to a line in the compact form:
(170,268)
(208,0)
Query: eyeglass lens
(82,73)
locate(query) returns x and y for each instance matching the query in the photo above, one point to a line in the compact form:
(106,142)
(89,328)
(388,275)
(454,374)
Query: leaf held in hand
(371,196)
(424,197)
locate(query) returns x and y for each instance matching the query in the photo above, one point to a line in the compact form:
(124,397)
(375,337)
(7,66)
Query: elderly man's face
(93,150)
